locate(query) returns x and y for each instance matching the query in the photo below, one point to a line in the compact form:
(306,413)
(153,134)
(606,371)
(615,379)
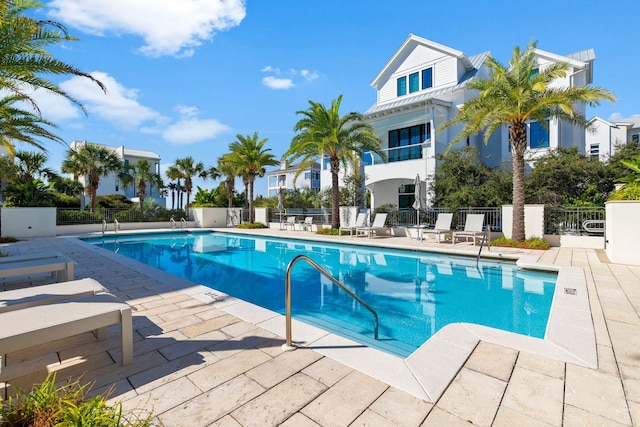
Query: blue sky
(184,77)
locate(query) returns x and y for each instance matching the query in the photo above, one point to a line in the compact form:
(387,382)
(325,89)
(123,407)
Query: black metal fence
(575,221)
(79,216)
(428,217)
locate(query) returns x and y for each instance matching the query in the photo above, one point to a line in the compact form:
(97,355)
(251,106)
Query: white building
(111,184)
(422,86)
(605,136)
(285,178)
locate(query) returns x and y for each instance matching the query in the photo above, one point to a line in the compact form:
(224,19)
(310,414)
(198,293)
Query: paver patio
(198,365)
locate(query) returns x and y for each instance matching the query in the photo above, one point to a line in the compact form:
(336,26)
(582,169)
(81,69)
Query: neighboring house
(604,136)
(422,86)
(111,184)
(284,178)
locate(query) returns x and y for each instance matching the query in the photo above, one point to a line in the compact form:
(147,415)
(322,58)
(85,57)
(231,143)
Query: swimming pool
(414,293)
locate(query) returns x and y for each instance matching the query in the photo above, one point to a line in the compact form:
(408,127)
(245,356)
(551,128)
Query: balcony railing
(559,220)
(398,154)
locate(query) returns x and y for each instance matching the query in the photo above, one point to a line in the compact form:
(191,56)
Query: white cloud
(168,27)
(53,107)
(277,83)
(119,105)
(615,116)
(309,75)
(192,130)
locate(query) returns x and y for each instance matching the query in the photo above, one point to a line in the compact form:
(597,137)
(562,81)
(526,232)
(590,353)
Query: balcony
(399,154)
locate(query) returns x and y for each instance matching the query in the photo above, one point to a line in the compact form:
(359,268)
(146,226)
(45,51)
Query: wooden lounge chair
(442,227)
(62,266)
(473,229)
(360,221)
(32,326)
(45,294)
(377,226)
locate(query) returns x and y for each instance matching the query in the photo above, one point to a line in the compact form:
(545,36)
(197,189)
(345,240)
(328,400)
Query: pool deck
(200,359)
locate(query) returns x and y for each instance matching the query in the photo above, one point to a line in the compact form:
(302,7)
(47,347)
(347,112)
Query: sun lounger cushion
(45,323)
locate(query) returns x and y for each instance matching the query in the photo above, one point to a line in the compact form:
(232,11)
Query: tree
(18,125)
(24,61)
(249,158)
(187,169)
(514,95)
(92,161)
(32,165)
(342,139)
(143,176)
(564,177)
(463,180)
(226,168)
(174,174)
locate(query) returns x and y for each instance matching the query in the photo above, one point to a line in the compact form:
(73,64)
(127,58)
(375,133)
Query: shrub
(78,217)
(251,225)
(8,239)
(332,232)
(531,243)
(626,192)
(69,405)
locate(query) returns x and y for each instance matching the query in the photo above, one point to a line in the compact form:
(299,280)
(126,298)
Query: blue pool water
(414,293)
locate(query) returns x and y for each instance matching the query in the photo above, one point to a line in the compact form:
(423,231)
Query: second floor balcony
(399,154)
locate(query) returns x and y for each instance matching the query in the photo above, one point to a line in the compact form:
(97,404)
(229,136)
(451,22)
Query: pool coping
(427,372)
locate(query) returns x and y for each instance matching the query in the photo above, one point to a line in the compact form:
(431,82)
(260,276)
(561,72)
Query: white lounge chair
(360,221)
(377,226)
(307,225)
(29,257)
(17,299)
(442,227)
(291,222)
(62,266)
(473,229)
(41,324)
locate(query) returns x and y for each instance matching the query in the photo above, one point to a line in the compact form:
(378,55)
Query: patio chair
(307,225)
(291,222)
(473,229)
(61,266)
(32,326)
(377,226)
(360,221)
(442,227)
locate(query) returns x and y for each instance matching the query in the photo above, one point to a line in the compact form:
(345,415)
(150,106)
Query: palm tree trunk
(251,213)
(335,193)
(519,145)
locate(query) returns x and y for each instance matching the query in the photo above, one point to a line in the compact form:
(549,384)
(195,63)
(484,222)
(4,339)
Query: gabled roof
(410,43)
(292,168)
(431,95)
(633,122)
(575,63)
(607,122)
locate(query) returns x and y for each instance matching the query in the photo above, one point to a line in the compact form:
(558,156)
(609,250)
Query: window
(427,78)
(307,175)
(413,83)
(534,72)
(402,86)
(594,151)
(635,137)
(407,142)
(538,135)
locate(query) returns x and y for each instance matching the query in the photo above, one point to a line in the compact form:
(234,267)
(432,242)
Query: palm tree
(172,188)
(32,165)
(188,169)
(342,139)
(22,126)
(250,158)
(144,176)
(93,161)
(24,58)
(173,173)
(226,168)
(514,95)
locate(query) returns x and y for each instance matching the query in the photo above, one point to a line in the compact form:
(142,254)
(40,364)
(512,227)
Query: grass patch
(67,405)
(531,243)
(251,225)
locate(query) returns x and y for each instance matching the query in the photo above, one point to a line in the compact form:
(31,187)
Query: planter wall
(533,221)
(28,222)
(622,231)
(209,217)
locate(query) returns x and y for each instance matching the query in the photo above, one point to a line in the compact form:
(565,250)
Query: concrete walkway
(196,364)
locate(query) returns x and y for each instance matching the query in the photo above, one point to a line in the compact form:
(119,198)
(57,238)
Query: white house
(422,86)
(604,136)
(111,184)
(285,178)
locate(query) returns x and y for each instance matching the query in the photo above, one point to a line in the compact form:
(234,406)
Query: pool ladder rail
(288,345)
(485,239)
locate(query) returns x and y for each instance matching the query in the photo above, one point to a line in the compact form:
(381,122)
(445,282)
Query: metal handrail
(104,226)
(116,225)
(487,229)
(288,346)
(183,223)
(173,223)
